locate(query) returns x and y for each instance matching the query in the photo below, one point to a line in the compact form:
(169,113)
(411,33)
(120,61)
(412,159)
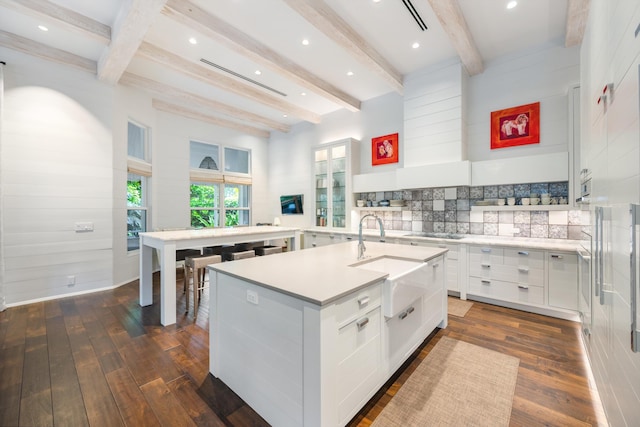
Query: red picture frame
(515,126)
(384,149)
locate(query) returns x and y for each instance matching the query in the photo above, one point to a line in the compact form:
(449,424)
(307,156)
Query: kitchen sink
(436,235)
(407,281)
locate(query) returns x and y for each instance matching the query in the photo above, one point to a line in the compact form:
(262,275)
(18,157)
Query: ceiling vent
(414,13)
(240,76)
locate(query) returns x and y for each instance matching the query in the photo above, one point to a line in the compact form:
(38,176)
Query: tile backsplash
(449,210)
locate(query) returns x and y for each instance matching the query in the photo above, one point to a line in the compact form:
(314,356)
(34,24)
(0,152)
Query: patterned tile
(522,217)
(427,226)
(575,218)
(476,228)
(559,189)
(505,217)
(490,192)
(539,218)
(373,196)
(406,215)
(505,191)
(574,232)
(462,228)
(490,217)
(438,216)
(396,215)
(397,224)
(427,194)
(490,229)
(438,205)
(387,215)
(450,205)
(463,192)
(397,195)
(525,230)
(540,189)
(462,205)
(427,205)
(416,195)
(416,225)
(427,216)
(406,225)
(438,194)
(463,216)
(476,192)
(558,231)
(416,205)
(450,216)
(438,227)
(540,231)
(407,195)
(416,215)
(521,190)
(450,227)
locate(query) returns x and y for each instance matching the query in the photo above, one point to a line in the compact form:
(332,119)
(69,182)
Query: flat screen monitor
(291,205)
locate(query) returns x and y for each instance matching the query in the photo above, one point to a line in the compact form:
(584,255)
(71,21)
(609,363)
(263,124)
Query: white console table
(167,242)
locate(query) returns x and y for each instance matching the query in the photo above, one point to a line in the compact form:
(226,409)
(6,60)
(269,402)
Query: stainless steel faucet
(361,247)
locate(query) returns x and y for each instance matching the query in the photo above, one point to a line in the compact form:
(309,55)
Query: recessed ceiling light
(512,4)
(193,40)
(305,42)
(415,45)
(377,1)
(349,73)
(304,94)
(284,115)
(258,72)
(43,28)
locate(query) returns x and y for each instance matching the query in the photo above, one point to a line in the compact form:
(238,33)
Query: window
(139,173)
(219,199)
(205,204)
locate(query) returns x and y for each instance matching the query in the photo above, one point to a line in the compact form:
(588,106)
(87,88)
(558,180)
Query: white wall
(56,170)
(544,75)
(290,158)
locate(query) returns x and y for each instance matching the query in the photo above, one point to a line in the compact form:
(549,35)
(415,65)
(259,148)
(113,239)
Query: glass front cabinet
(333,166)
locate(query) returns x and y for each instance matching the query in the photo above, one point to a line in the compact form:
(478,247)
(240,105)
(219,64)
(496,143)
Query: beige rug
(458,307)
(457,384)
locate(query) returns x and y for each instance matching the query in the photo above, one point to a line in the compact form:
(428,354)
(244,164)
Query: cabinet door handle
(314,245)
(485,282)
(332,237)
(525,253)
(525,287)
(486,250)
(486,265)
(523,269)
(403,315)
(349,238)
(413,243)
(410,310)
(362,323)
(556,256)
(363,301)
(436,265)
(313,235)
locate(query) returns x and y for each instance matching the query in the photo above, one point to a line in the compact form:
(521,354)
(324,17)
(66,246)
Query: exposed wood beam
(39,50)
(577,15)
(321,16)
(132,24)
(43,9)
(452,20)
(201,21)
(196,115)
(162,89)
(175,62)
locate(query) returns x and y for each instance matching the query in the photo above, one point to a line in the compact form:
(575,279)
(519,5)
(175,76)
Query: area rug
(458,307)
(457,384)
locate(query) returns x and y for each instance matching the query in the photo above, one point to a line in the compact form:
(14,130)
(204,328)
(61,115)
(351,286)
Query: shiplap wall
(56,170)
(433,115)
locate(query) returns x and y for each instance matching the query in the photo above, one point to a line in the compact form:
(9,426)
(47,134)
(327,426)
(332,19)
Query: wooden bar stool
(195,268)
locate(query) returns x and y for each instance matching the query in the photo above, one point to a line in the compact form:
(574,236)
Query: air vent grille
(240,76)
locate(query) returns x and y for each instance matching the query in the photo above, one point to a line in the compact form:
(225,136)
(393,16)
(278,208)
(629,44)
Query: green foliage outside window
(134,216)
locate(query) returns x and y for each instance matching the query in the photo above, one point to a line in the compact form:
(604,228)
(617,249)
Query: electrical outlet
(71,281)
(252,297)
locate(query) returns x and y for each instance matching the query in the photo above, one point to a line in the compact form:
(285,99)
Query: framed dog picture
(515,126)
(384,149)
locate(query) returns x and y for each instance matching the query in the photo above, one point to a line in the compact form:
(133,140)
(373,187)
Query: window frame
(143,169)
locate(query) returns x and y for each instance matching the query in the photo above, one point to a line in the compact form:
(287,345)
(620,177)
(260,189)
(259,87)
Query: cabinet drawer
(401,332)
(354,335)
(353,306)
(506,291)
(485,254)
(523,275)
(524,258)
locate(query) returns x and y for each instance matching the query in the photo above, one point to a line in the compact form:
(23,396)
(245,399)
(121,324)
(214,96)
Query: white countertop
(320,275)
(564,245)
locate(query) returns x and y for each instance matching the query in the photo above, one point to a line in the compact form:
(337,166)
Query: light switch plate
(252,297)
(83,226)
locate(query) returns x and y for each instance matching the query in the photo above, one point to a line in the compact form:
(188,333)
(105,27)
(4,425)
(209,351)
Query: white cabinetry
(333,166)
(456,262)
(563,280)
(313,239)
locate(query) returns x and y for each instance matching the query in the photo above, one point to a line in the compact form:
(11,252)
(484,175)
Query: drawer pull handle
(556,256)
(362,323)
(485,282)
(525,287)
(332,237)
(413,243)
(363,301)
(313,234)
(486,250)
(314,245)
(486,265)
(525,253)
(523,269)
(403,315)
(436,265)
(349,238)
(410,310)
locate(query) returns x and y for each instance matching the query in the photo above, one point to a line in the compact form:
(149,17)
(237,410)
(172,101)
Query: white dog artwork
(519,124)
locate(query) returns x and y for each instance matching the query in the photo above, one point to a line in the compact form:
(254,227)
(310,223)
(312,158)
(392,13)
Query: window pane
(205,218)
(236,160)
(204,195)
(136,223)
(235,217)
(136,139)
(134,190)
(204,156)
(236,196)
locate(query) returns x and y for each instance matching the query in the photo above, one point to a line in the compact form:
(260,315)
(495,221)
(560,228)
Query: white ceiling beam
(51,12)
(181,65)
(321,16)
(577,15)
(452,20)
(132,24)
(203,22)
(197,115)
(39,50)
(188,98)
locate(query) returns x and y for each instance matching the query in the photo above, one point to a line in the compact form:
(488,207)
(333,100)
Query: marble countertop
(564,245)
(321,275)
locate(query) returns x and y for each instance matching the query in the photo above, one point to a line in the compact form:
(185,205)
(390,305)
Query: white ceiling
(382,29)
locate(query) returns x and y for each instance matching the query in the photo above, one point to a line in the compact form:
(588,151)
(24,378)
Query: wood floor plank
(185,391)
(165,404)
(36,408)
(133,406)
(11,375)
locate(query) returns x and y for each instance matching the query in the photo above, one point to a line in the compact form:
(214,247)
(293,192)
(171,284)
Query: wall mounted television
(292,205)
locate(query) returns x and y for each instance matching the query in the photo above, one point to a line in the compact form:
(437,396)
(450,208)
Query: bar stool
(267,250)
(232,256)
(195,267)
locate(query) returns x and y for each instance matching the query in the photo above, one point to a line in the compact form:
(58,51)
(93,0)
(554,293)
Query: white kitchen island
(304,337)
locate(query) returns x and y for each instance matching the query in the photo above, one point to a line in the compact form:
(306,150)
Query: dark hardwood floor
(102,360)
